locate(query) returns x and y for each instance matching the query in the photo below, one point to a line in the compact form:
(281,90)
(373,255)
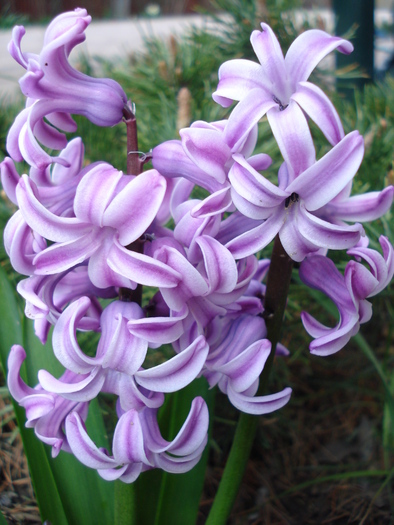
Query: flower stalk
(124,503)
(134,167)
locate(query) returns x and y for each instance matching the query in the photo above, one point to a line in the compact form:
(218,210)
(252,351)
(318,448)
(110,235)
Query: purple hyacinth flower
(204,157)
(118,350)
(278,87)
(55,90)
(45,411)
(138,444)
(111,211)
(296,208)
(236,360)
(47,295)
(349,292)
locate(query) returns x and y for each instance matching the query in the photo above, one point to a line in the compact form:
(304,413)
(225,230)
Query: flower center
(281,106)
(294,197)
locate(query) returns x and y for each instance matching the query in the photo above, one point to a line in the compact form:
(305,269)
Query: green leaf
(3,521)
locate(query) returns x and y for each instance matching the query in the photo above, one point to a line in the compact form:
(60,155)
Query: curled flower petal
(259,405)
(83,447)
(178,371)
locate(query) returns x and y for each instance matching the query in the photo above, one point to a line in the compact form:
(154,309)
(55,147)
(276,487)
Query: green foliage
(8,19)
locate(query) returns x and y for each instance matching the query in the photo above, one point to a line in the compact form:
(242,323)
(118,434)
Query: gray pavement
(114,39)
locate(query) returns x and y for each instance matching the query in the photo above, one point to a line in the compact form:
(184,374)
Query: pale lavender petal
(17,387)
(178,371)
(37,406)
(362,208)
(141,268)
(327,177)
(381,267)
(236,78)
(308,49)
(118,348)
(132,211)
(18,243)
(320,109)
(60,257)
(189,228)
(161,330)
(326,235)
(248,209)
(12,142)
(189,438)
(321,273)
(261,404)
(14,47)
(220,265)
(208,150)
(259,162)
(295,243)
(335,338)
(50,226)
(29,147)
(64,340)
(95,192)
(244,117)
(128,442)
(84,390)
(62,121)
(191,284)
(216,203)
(128,473)
(292,134)
(131,396)
(9,178)
(360,281)
(254,187)
(256,239)
(269,53)
(193,433)
(100,272)
(246,367)
(170,159)
(179,465)
(83,447)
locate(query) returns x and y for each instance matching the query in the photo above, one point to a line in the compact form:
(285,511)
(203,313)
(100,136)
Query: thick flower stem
(134,167)
(134,162)
(124,503)
(278,282)
(125,492)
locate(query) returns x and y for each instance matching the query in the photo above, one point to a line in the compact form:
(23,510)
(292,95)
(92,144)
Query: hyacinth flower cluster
(89,238)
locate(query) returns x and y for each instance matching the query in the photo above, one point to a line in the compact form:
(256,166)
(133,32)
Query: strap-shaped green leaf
(3,521)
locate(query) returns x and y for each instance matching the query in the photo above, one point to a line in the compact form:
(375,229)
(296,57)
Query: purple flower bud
(55,90)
